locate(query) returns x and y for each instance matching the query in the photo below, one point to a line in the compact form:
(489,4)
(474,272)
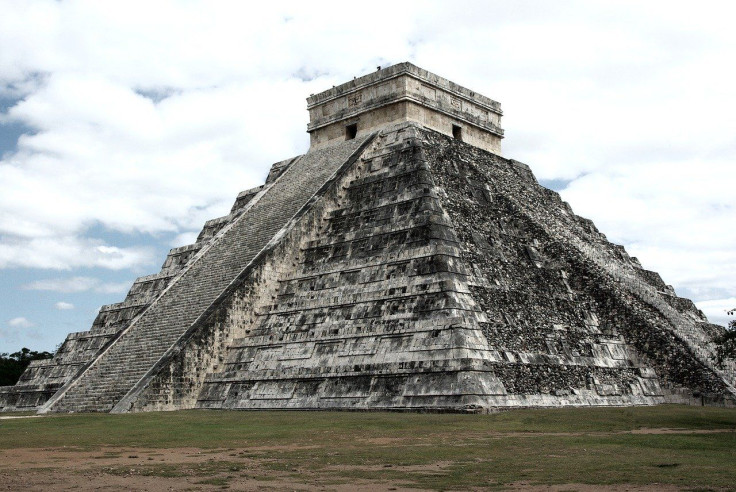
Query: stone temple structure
(401,263)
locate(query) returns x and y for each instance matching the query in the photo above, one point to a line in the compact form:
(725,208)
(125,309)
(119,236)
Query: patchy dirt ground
(366,452)
(147,469)
(166,469)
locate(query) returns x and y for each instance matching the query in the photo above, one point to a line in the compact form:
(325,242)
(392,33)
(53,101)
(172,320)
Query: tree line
(726,343)
(13,365)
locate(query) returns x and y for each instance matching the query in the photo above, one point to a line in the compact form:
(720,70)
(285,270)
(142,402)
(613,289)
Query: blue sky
(124,126)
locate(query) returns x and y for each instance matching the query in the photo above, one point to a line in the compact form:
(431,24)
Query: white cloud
(66,252)
(66,285)
(63,306)
(113,287)
(78,284)
(19,322)
(184,238)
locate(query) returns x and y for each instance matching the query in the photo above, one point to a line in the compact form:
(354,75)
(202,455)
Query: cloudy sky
(124,126)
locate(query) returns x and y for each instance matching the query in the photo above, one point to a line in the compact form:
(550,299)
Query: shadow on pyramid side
(397,268)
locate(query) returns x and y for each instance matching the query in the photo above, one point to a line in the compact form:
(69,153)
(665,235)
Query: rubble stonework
(397,267)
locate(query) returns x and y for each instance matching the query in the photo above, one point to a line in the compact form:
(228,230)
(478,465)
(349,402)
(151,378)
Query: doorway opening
(351,131)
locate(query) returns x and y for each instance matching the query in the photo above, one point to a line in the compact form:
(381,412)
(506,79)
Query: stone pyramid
(401,263)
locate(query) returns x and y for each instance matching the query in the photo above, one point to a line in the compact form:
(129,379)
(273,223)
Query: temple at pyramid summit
(400,264)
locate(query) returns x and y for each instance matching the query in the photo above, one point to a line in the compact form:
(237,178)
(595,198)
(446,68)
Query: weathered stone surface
(435,276)
(395,267)
(44,378)
(404,92)
(123,364)
(547,277)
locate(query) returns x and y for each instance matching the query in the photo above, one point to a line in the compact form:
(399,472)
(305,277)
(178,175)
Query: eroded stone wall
(571,312)
(420,280)
(136,355)
(422,273)
(349,307)
(371,311)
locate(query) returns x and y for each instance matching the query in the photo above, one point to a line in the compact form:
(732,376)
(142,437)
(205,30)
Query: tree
(726,343)
(13,365)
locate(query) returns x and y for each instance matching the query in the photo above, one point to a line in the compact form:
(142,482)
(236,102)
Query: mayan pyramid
(401,263)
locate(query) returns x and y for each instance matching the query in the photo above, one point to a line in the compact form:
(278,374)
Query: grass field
(664,447)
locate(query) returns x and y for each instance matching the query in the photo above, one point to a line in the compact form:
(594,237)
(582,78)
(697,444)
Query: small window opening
(351,131)
(457,132)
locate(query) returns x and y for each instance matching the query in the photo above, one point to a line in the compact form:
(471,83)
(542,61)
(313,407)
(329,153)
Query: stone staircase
(42,379)
(204,277)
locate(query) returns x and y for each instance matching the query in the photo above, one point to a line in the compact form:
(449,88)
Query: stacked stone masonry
(431,275)
(404,92)
(401,298)
(402,269)
(208,272)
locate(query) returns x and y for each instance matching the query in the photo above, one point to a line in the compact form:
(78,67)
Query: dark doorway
(351,131)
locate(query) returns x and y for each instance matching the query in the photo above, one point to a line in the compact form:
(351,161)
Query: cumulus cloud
(19,322)
(78,284)
(184,238)
(63,306)
(150,125)
(19,329)
(67,252)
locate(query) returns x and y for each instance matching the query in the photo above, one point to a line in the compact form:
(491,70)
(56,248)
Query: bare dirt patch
(580,487)
(651,431)
(152,469)
(146,469)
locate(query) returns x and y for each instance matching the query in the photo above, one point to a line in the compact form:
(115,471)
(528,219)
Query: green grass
(437,451)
